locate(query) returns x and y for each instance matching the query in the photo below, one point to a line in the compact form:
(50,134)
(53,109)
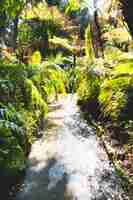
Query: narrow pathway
(68,163)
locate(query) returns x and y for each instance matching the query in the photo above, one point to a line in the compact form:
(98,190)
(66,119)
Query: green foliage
(72,8)
(116,93)
(88,44)
(127,181)
(13,140)
(25,90)
(112,96)
(35,58)
(52,79)
(111,53)
(75,77)
(58,80)
(124,67)
(11,8)
(39,25)
(89,86)
(35,101)
(38,11)
(118,37)
(112,91)
(43,31)
(38,29)
(12,79)
(25,33)
(61,44)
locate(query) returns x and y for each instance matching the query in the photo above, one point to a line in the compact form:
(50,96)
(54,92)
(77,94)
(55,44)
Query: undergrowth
(25,93)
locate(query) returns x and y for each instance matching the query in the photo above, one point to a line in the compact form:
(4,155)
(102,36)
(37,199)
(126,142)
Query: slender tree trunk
(3,18)
(96,37)
(15,30)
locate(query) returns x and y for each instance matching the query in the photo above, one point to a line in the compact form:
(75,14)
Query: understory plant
(25,93)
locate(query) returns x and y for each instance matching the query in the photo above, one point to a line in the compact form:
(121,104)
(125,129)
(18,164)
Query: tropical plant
(72,8)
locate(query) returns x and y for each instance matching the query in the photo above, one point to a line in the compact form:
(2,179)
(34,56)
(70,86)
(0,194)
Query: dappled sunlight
(67,165)
(58,58)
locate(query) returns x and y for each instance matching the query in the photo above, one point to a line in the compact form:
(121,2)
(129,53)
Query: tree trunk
(96,37)
(2,28)
(15,30)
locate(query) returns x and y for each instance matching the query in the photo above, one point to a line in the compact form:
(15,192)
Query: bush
(51,81)
(75,77)
(90,85)
(88,92)
(112,91)
(112,96)
(116,92)
(35,102)
(23,108)
(13,140)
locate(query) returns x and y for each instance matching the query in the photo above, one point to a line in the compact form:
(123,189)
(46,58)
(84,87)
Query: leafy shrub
(88,93)
(25,33)
(89,87)
(51,81)
(12,79)
(23,106)
(93,75)
(112,96)
(38,25)
(116,93)
(75,77)
(112,90)
(13,140)
(111,53)
(43,28)
(35,102)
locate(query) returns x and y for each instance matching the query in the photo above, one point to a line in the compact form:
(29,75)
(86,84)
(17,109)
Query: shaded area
(36,186)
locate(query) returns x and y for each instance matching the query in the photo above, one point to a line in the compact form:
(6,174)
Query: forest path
(68,162)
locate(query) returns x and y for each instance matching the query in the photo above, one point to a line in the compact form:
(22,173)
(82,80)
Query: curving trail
(69,163)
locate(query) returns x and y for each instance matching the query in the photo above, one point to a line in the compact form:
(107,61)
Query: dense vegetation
(51,48)
(28,82)
(106,90)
